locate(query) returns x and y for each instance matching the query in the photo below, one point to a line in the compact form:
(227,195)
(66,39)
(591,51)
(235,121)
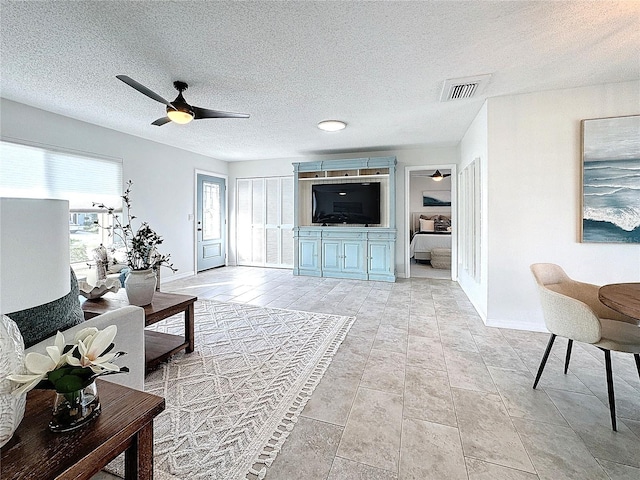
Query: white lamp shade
(34,252)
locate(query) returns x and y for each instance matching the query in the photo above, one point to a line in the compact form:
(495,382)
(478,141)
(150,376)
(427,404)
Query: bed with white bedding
(422,242)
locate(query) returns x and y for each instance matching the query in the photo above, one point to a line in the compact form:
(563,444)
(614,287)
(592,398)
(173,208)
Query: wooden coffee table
(125,425)
(158,346)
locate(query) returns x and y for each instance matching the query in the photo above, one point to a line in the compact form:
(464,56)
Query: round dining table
(622,297)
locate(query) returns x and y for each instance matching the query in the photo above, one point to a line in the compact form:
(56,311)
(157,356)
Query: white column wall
(474,145)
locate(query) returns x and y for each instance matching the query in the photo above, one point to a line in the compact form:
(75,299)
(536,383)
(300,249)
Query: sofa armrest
(129,339)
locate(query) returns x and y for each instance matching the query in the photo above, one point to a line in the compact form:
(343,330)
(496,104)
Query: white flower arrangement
(69,368)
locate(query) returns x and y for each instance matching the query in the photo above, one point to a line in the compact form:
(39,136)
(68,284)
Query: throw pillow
(41,322)
(442,223)
(426,225)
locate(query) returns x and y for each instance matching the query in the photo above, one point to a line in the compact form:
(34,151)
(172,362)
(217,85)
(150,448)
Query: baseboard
(513,325)
(175,277)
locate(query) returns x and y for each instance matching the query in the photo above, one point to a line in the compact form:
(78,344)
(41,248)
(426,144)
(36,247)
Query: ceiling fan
(436,176)
(179,111)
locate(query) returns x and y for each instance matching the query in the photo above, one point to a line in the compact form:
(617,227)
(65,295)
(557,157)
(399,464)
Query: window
(35,172)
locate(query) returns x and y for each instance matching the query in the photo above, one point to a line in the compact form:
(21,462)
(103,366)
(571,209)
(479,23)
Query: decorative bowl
(96,291)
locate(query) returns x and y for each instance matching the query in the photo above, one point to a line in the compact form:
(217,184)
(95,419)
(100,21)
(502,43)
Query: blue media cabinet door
(308,254)
(379,258)
(353,257)
(331,256)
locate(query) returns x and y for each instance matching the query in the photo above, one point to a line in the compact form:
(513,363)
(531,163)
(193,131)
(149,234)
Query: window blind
(34,172)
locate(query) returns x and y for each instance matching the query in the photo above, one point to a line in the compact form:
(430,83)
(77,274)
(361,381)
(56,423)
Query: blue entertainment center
(345,250)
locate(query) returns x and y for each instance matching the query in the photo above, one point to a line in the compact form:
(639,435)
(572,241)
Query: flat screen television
(346,203)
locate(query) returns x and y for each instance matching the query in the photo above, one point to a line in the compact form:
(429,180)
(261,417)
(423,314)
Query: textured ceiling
(379,66)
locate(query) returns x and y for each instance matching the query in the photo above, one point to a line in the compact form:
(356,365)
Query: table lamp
(34,270)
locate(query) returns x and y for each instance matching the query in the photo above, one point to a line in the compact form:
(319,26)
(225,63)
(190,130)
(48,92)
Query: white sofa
(129,339)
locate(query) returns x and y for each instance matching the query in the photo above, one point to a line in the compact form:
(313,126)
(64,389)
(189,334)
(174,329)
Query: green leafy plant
(140,245)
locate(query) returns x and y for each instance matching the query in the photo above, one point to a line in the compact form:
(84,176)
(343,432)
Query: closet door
(272,222)
(286,225)
(250,217)
(244,206)
(279,222)
(258,222)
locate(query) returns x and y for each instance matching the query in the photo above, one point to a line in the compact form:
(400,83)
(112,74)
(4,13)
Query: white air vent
(467,87)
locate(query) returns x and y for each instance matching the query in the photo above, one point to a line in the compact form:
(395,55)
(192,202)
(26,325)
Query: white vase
(11,362)
(140,286)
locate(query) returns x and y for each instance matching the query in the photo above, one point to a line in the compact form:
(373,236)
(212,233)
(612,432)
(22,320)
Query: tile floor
(425,270)
(421,389)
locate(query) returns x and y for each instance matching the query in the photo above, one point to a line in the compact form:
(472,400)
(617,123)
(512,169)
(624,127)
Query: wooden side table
(158,346)
(125,425)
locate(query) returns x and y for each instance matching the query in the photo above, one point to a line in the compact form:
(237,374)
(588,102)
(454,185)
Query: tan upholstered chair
(572,310)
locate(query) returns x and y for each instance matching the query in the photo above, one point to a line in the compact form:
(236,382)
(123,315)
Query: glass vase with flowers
(71,370)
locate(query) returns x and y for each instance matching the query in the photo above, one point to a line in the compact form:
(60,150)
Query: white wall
(534,188)
(474,145)
(163,176)
(406,158)
(417,185)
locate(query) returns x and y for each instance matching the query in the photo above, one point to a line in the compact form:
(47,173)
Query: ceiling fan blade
(201,113)
(144,90)
(161,121)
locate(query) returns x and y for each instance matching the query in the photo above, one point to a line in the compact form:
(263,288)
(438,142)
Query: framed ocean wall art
(611,180)
(436,198)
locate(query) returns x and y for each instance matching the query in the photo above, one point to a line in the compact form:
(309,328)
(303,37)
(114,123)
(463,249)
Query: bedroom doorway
(430,206)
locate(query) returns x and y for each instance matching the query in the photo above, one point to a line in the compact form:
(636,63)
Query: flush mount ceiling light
(331,125)
(437,176)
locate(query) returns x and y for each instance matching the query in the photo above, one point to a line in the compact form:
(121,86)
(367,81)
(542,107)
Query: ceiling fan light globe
(437,179)
(178,116)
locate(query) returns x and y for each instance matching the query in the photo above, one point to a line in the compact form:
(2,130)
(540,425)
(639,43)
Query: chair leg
(568,357)
(544,359)
(612,400)
(637,357)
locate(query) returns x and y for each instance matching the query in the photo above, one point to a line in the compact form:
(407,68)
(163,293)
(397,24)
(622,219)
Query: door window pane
(211,224)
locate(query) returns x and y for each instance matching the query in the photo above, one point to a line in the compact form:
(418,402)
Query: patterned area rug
(232,403)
